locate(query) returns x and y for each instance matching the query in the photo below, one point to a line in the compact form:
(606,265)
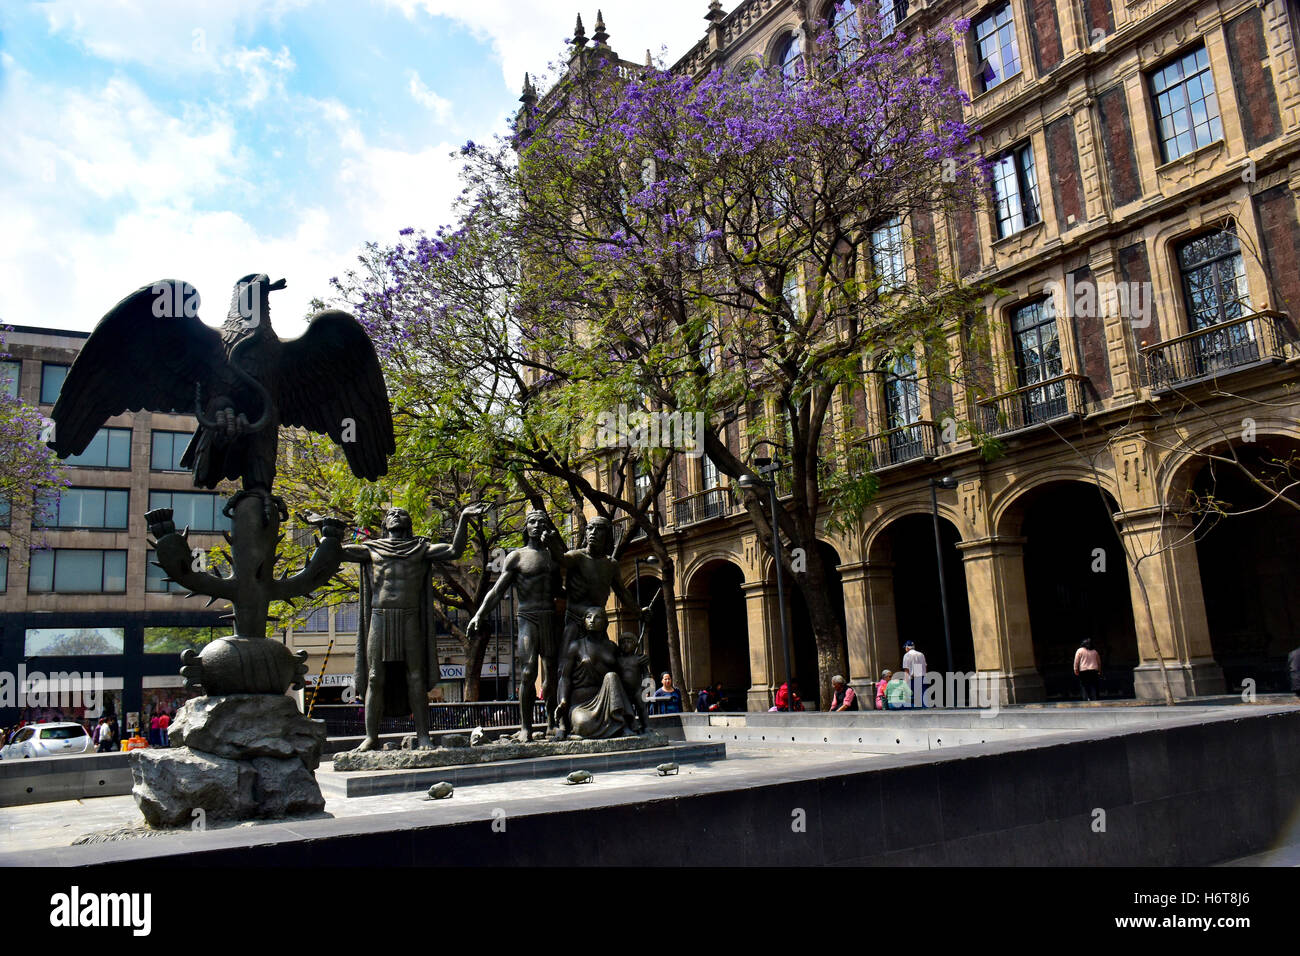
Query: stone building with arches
(1143,230)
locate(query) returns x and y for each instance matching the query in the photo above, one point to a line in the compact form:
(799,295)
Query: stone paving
(59,824)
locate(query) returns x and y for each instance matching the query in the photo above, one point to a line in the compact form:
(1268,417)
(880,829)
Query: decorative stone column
(765,660)
(693,620)
(1167,581)
(857,615)
(999,618)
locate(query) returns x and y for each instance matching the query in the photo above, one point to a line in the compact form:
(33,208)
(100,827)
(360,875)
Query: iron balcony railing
(1029,406)
(916,441)
(1216,349)
(703,506)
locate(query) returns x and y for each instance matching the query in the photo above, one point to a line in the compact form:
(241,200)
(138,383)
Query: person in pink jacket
(880,688)
(1087,667)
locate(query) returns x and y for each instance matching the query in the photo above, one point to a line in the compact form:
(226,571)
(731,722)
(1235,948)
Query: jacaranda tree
(746,245)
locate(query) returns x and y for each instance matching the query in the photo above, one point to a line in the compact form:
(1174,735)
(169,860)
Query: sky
(205,140)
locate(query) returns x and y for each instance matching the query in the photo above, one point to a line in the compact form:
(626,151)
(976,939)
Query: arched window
(903,409)
(845,27)
(1216,292)
(792,292)
(789,58)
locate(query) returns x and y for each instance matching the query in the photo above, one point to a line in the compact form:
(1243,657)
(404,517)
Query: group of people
(160,722)
(107,736)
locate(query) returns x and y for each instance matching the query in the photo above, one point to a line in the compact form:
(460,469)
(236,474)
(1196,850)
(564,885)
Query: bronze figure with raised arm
(397,658)
(534,574)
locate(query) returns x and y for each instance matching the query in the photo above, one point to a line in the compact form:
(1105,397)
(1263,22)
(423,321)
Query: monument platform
(498,750)
(1028,796)
(368,782)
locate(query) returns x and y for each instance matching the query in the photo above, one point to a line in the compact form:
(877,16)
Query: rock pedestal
(235,757)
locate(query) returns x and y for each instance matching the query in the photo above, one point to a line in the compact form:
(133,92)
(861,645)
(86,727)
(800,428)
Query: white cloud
(438,105)
(162,34)
(104,191)
(262,70)
(528,34)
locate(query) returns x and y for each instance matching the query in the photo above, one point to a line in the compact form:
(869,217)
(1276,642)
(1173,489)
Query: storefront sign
(457,671)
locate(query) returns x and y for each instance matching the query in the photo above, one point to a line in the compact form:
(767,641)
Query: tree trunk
(825,621)
(474,653)
(674,633)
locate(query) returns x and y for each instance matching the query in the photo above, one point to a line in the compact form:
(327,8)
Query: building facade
(1142,228)
(78,594)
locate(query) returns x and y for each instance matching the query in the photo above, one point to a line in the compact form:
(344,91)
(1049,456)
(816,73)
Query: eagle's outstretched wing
(146,353)
(331,375)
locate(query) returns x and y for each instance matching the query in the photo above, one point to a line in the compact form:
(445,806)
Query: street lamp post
(768,467)
(948,482)
(643,626)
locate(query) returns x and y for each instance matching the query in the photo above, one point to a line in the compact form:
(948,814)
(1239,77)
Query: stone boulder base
(245,726)
(238,757)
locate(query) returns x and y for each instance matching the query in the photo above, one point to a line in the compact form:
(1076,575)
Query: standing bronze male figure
(589,576)
(396,628)
(534,575)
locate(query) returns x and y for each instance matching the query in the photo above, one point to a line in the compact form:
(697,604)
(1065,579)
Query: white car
(48,740)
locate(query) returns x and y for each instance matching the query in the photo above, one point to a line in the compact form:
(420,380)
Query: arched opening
(788,58)
(1249,564)
(1077,584)
(724,616)
(909,545)
(646,589)
(803,640)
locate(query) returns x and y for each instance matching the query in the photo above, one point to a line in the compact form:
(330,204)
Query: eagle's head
(250,303)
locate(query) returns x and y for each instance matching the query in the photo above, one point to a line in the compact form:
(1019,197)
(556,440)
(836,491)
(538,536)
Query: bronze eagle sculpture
(242,382)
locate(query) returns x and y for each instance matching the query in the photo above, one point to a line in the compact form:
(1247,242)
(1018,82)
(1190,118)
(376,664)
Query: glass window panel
(119,448)
(175,639)
(78,570)
(110,448)
(995,38)
(1186,107)
(52,377)
(115,509)
(4,571)
(10,374)
(196,510)
(155,578)
(72,641)
(347,617)
(40,573)
(114,572)
(888,256)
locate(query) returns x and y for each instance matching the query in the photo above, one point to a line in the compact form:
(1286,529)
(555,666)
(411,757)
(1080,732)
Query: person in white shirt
(914,664)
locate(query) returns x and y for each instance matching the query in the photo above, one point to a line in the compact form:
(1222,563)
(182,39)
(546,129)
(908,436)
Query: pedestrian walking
(164,722)
(914,664)
(1087,668)
(107,739)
